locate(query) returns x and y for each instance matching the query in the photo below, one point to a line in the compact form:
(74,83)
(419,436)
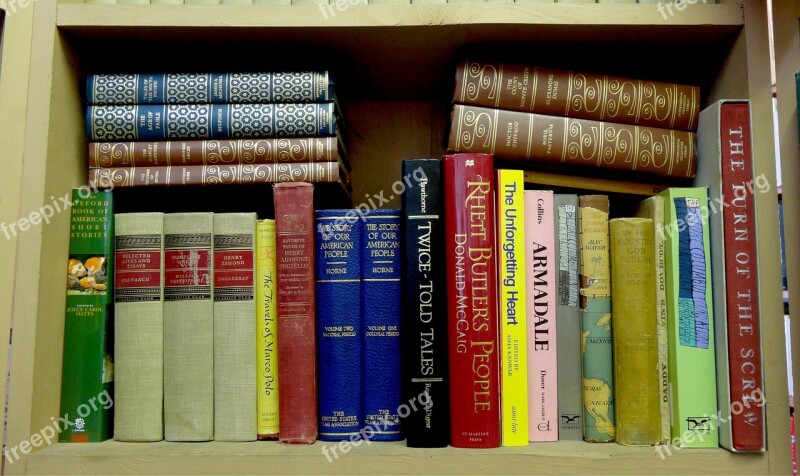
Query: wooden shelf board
(112,457)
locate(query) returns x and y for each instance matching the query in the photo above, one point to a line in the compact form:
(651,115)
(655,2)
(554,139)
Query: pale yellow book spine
(266,330)
(513,326)
(633,298)
(653,208)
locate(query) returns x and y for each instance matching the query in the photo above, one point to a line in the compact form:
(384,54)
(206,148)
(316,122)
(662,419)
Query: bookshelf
(394,66)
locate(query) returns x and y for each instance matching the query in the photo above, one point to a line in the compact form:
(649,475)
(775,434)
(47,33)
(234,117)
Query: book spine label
(579,95)
(172,175)
(512,266)
(741,278)
(297,376)
(568,318)
(87,375)
(213,152)
(636,376)
(380,294)
(540,280)
(266,330)
(188,327)
(595,300)
(209,121)
(692,373)
(339,318)
(139,327)
(425,313)
(194,88)
(234,327)
(472,298)
(581,142)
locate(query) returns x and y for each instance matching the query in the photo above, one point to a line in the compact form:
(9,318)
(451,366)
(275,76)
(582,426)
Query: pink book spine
(540,277)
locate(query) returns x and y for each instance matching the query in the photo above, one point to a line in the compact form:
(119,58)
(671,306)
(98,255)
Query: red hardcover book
(726,167)
(297,376)
(471,292)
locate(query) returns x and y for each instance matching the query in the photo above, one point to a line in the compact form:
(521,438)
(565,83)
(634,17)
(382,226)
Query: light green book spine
(188,327)
(653,208)
(234,327)
(139,327)
(595,299)
(133,2)
(166,2)
(692,372)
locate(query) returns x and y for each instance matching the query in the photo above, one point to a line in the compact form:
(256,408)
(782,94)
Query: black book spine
(427,423)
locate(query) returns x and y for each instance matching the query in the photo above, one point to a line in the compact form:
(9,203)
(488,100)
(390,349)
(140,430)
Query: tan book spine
(551,139)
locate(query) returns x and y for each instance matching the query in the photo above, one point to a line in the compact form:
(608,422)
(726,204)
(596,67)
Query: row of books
(317,2)
(202,129)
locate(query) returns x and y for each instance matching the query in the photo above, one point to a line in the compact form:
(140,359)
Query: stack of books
(206,129)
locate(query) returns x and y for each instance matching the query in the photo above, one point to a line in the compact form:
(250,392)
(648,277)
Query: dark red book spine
(741,277)
(297,376)
(471,293)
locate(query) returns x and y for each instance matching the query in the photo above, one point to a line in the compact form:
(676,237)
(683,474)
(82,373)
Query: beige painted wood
(787,62)
(14,76)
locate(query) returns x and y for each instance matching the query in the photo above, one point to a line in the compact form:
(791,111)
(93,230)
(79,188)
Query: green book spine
(139,327)
(595,300)
(235,417)
(87,373)
(188,327)
(690,314)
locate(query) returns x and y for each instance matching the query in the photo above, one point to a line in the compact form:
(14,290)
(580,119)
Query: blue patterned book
(380,294)
(203,88)
(339,324)
(209,121)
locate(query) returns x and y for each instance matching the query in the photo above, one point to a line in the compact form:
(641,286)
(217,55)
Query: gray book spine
(188,327)
(235,416)
(568,329)
(139,327)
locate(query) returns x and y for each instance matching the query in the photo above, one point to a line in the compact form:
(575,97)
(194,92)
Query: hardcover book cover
(266,330)
(472,301)
(139,327)
(424,322)
(529,88)
(297,373)
(568,318)
(381,291)
(692,372)
(540,281)
(87,369)
(540,138)
(204,88)
(188,327)
(653,208)
(595,300)
(727,168)
(633,292)
(339,324)
(512,269)
(235,417)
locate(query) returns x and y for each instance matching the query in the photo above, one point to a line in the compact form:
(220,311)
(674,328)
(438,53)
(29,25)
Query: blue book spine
(202,88)
(209,121)
(381,294)
(339,326)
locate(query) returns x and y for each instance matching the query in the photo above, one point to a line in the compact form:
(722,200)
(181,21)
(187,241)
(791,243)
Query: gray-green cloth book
(139,327)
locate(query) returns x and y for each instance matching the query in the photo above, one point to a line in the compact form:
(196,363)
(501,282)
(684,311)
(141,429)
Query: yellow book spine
(513,328)
(267,330)
(635,340)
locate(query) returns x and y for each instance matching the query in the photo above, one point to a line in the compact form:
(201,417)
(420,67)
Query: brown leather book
(540,138)
(580,95)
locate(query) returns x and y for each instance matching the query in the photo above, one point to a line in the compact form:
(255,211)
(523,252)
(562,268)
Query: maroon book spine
(741,276)
(472,296)
(172,175)
(297,376)
(213,152)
